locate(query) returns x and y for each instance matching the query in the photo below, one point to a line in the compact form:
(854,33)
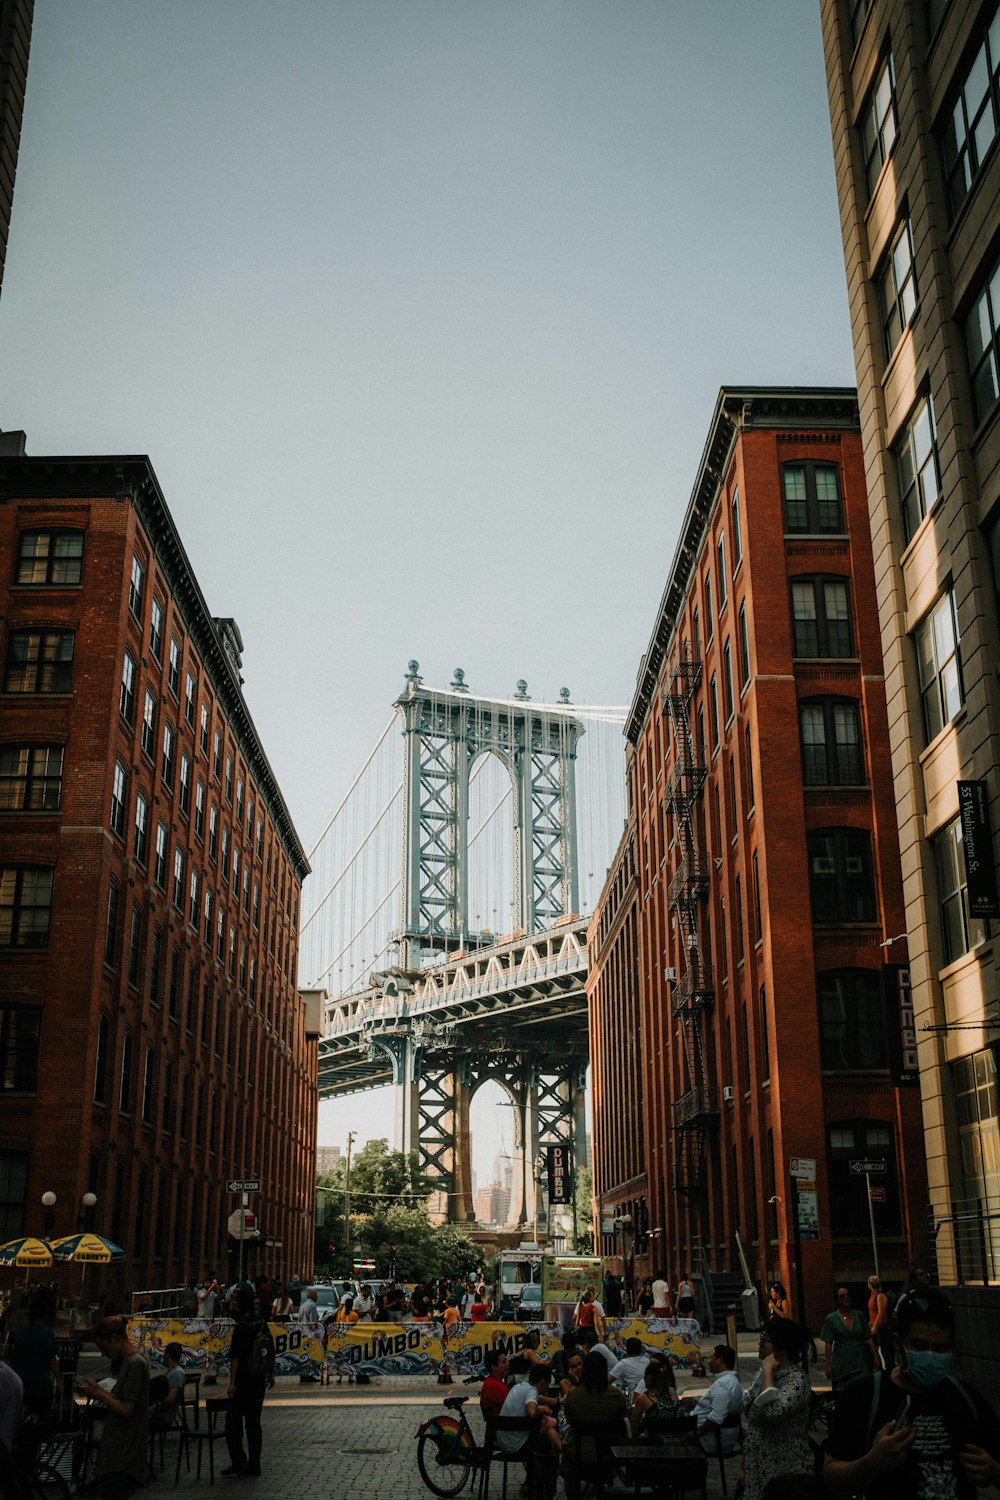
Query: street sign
(878,1195)
(243,1185)
(242,1218)
(873,1165)
(802,1166)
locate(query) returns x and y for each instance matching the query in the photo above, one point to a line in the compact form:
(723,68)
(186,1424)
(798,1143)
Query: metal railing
(962,1248)
(161,1302)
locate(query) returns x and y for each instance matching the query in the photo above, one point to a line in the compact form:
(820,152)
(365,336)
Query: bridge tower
(434,1076)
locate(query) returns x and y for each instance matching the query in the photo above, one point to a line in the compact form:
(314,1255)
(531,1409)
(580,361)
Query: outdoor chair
(213,1432)
(189,1400)
(733,1423)
(591,1463)
(493,1453)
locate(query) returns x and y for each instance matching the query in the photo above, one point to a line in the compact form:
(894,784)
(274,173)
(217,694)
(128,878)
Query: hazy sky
(420,311)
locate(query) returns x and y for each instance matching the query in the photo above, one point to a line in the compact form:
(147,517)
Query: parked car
(529,1304)
(329,1295)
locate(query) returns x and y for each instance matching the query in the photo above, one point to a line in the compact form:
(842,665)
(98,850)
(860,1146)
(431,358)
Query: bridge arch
(491,843)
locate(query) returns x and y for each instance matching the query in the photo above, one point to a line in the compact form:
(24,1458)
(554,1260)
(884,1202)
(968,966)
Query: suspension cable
(343,801)
(355,935)
(316,910)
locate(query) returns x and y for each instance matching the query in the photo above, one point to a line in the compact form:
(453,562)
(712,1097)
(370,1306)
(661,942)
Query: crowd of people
(902,1423)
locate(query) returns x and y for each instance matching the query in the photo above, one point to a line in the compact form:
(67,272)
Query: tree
(380,1178)
(585,1212)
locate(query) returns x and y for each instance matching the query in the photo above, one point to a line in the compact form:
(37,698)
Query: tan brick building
(152,1041)
(915,113)
(744,1008)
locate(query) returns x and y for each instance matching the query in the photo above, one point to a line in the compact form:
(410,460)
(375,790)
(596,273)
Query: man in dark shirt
(494,1388)
(246,1390)
(917,1431)
(34,1358)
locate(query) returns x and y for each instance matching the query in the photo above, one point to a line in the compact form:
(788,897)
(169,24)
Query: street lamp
(86,1219)
(538,1165)
(49,1202)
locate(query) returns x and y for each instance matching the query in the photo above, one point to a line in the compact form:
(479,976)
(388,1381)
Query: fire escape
(698,1106)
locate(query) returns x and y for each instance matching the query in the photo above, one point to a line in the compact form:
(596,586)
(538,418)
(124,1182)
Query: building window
(256,904)
(765,1040)
(193,907)
(185,784)
(141,828)
(744,646)
(960,932)
(220,931)
(207,929)
(982,338)
(101,1061)
(737,530)
(30,778)
(229,779)
(939,666)
(859,13)
(232,952)
(167,771)
(971,127)
(851,1021)
(249,821)
(111,927)
(713,709)
(239,799)
(259,845)
(246,890)
(224,859)
(758,921)
(840,876)
(810,496)
(160,857)
(878,123)
(50,557)
(20,1035)
(830,730)
(750,787)
(727,679)
(149,725)
(213,831)
(199,809)
(243,965)
(39,661)
(236,867)
(126,698)
(977,1106)
(849,1140)
(167,1117)
(119,797)
(897,288)
(136,584)
(125,1084)
(189,698)
(135,948)
(217,755)
(917,465)
(203,733)
(709,615)
(147,1089)
(13,1192)
(156,628)
(821,617)
(156,966)
(174,669)
(720,554)
(179,879)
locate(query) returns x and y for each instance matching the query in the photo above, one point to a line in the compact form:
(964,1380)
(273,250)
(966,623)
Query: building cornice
(131,477)
(737,409)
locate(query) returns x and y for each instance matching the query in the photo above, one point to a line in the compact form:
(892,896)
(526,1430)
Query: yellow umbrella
(27,1251)
(88,1248)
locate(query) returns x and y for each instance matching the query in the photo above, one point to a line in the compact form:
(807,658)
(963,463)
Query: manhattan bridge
(447,917)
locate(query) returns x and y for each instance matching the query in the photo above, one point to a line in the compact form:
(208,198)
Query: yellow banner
(400,1348)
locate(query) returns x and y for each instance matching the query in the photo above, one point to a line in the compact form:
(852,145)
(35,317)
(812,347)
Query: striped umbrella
(87,1247)
(27,1251)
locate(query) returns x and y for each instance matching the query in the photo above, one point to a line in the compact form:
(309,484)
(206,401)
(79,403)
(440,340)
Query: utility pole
(351,1137)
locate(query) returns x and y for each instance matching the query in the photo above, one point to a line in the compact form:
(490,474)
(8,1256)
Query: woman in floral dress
(777,1410)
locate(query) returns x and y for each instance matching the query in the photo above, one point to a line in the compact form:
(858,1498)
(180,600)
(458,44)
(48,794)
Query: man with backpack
(251,1375)
(914,1429)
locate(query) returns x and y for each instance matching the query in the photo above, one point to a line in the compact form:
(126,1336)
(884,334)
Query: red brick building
(152,1041)
(747,1004)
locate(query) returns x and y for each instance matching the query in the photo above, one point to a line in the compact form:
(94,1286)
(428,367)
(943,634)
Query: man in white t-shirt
(588,1343)
(629,1371)
(208,1299)
(724,1398)
(661,1296)
(364,1302)
(528,1400)
(309,1309)
(468,1300)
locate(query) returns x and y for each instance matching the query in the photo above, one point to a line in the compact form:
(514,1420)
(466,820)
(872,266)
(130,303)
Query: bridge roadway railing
(386,1010)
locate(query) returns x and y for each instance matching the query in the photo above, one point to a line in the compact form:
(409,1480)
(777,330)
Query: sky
(420,309)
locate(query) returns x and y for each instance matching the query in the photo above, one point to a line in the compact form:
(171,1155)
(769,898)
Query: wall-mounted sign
(559,1167)
(977,842)
(900,1025)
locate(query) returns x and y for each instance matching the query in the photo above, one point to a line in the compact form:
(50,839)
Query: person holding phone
(915,1429)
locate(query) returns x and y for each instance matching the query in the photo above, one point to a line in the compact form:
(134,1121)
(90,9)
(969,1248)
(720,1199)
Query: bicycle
(447,1452)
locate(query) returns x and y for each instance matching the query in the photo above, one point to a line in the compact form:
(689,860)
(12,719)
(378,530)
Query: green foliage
(381,1178)
(423,1252)
(585,1212)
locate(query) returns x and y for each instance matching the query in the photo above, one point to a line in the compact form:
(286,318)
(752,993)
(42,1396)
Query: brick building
(152,1041)
(915,112)
(745,1007)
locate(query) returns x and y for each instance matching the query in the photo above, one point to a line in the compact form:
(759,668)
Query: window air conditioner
(727,1093)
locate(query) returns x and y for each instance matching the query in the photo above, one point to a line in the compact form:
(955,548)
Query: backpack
(261,1361)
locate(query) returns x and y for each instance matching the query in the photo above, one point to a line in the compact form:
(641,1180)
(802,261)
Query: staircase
(726,1289)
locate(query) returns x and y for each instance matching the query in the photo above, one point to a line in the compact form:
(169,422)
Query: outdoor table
(669,1469)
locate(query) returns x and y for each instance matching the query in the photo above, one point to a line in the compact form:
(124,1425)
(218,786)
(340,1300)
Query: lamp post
(86,1219)
(624,1223)
(352,1136)
(538,1166)
(49,1201)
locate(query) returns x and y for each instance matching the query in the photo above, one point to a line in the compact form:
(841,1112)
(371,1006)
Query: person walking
(644,1304)
(663,1305)
(282,1307)
(121,1455)
(685,1297)
(251,1376)
(848,1347)
(879,1313)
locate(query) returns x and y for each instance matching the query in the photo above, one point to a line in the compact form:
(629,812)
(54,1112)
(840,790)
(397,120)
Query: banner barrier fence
(418,1348)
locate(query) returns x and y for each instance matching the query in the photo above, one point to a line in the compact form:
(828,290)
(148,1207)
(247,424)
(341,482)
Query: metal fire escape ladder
(698,1106)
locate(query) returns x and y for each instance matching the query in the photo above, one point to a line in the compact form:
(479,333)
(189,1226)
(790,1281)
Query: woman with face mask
(917,1430)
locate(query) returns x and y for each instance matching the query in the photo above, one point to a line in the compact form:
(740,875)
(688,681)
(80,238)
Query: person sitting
(629,1371)
(528,1356)
(166,1392)
(587,1340)
(655,1397)
(494,1390)
(595,1399)
(573,1376)
(531,1399)
(722,1400)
